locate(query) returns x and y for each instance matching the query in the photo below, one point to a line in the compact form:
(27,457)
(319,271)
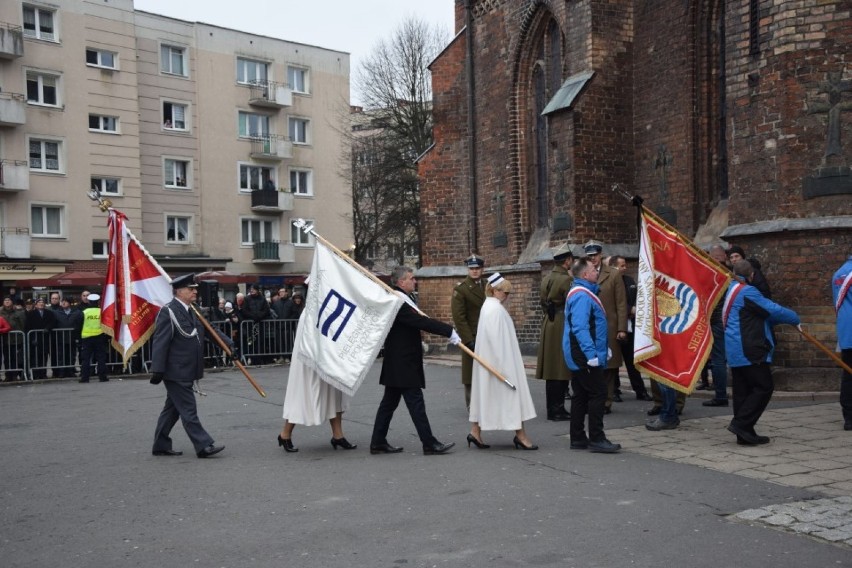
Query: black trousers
(180,403)
(589,386)
(753,386)
(846,386)
(416,408)
(636,382)
(93,348)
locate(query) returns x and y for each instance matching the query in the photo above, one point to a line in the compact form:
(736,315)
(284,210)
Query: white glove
(454,338)
(608,353)
(593,362)
(799,327)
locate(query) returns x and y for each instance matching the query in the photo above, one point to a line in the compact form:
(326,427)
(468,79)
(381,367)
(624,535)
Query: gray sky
(353,26)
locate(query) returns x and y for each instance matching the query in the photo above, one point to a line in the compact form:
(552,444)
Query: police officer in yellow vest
(93,342)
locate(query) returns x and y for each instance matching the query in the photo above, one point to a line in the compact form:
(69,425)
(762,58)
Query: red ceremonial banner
(136,288)
(679,285)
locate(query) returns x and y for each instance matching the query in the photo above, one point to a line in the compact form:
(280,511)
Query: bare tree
(394,83)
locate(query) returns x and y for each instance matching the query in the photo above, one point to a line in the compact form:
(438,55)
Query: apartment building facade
(211,140)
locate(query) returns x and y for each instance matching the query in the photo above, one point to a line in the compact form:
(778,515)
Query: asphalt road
(81,488)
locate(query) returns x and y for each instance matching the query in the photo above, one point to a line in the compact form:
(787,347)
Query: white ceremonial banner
(645,344)
(346,319)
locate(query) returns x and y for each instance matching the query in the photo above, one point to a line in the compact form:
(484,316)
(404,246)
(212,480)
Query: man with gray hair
(402,370)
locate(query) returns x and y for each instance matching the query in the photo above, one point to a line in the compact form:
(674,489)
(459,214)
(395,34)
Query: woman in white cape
(310,401)
(493,405)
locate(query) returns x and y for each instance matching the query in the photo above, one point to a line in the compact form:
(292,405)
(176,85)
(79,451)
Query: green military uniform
(468,297)
(551,361)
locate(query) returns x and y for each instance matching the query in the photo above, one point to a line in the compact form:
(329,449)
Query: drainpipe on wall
(471,123)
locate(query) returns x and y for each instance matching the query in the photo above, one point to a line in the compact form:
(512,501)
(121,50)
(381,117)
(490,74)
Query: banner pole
(308,228)
(827,351)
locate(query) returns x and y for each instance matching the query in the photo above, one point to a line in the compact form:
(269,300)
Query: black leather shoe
(287,444)
(437,448)
(644,397)
(604,447)
(384,449)
(166,453)
(343,443)
(656,425)
(617,397)
(746,436)
(715,402)
(520,445)
(210,450)
(654,411)
(83,381)
(581,445)
(558,415)
(760,440)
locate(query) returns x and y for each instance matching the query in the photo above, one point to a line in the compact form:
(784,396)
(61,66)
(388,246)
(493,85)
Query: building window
(301,182)
(100,249)
(173,60)
(253,178)
(253,125)
(176,173)
(174,116)
(256,231)
(251,72)
(39,23)
(372,252)
(178,230)
(46,220)
(105,185)
(101,58)
(298,130)
(42,88)
(46,156)
(299,238)
(100,123)
(297,77)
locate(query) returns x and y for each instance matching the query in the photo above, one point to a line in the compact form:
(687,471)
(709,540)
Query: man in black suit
(402,370)
(177,351)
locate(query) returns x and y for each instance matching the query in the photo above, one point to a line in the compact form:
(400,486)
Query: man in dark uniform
(468,297)
(551,363)
(177,352)
(402,370)
(41,321)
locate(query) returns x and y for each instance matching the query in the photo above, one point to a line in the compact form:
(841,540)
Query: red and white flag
(135,290)
(678,286)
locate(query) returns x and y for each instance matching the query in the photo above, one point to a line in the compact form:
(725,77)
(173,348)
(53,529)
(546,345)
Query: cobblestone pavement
(809,449)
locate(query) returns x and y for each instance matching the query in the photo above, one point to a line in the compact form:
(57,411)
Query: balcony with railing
(271,147)
(13,109)
(15,242)
(273,252)
(271,201)
(269,94)
(11,41)
(14,175)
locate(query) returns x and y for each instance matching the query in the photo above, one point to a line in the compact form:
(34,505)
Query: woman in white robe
(493,405)
(310,401)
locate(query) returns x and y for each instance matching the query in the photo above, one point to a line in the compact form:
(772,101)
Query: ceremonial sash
(578,289)
(844,289)
(729,301)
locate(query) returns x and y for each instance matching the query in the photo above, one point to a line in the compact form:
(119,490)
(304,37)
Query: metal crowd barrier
(13,351)
(38,354)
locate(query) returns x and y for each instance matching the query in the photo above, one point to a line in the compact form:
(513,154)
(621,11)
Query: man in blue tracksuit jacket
(841,287)
(584,345)
(748,317)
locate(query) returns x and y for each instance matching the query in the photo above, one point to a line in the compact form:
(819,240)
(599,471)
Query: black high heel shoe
(287,444)
(520,446)
(343,443)
(477,443)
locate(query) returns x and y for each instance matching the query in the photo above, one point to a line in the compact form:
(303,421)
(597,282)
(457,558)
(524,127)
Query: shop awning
(64,279)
